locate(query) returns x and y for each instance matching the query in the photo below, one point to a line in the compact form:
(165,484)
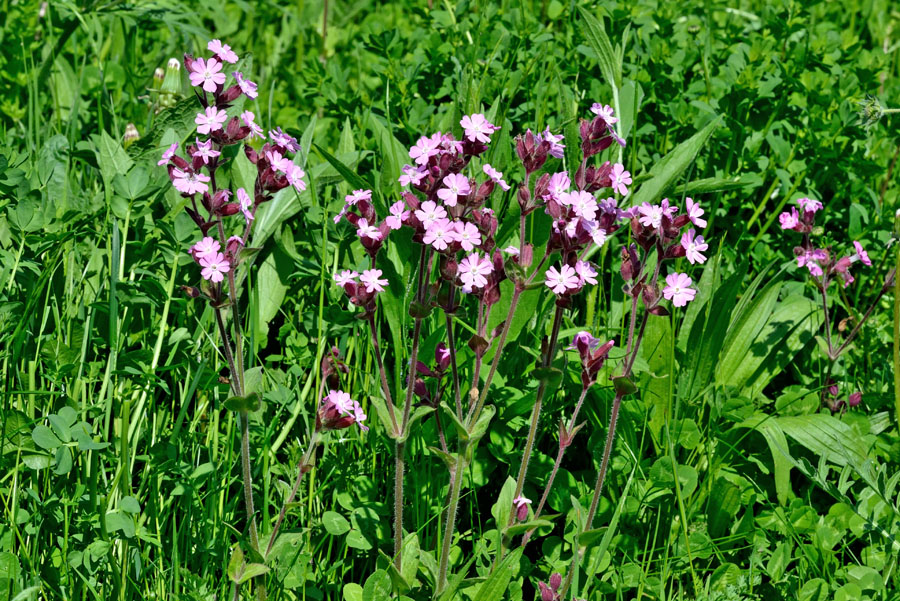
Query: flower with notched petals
(398,215)
(694,212)
(211,119)
(693,245)
(457,185)
(222,51)
(678,289)
(496,176)
(478,128)
(247,87)
(562,280)
(371,279)
(345,277)
(206,74)
(168,154)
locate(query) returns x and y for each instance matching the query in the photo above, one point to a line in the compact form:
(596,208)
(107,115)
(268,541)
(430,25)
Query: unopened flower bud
(158,77)
(172,81)
(521,506)
(131,135)
(854,399)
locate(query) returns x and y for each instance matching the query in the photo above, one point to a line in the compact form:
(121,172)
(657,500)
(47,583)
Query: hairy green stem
(452,506)
(305,465)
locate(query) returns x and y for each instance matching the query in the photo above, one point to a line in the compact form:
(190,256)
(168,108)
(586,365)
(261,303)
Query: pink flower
(429,212)
(808,205)
(496,176)
(586,273)
(599,236)
(210,120)
(223,51)
(451,144)
(440,234)
(337,218)
(345,277)
(789,221)
(521,504)
(651,215)
(341,401)
(204,247)
(557,150)
(214,265)
(294,175)
(668,209)
(286,141)
(247,87)
(278,162)
(249,120)
(563,280)
(605,112)
(694,212)
(207,74)
(398,215)
(678,289)
(583,203)
(473,270)
(246,203)
(359,416)
(206,151)
(364,230)
(467,235)
(188,182)
(412,175)
(693,246)
(861,254)
(559,183)
(478,128)
(358,195)
(810,259)
(457,185)
(370,278)
(425,148)
(620,178)
(584,340)
(168,154)
(512,250)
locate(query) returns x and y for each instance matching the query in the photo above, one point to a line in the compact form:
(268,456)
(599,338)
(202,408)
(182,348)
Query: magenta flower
(559,183)
(557,150)
(583,203)
(370,277)
(605,112)
(861,254)
(810,259)
(694,212)
(693,245)
(168,154)
(358,195)
(223,51)
(789,221)
(278,162)
(473,270)
(398,215)
(620,179)
(478,128)
(412,175)
(249,120)
(294,175)
(457,185)
(563,280)
(364,230)
(359,416)
(467,235)
(207,74)
(345,277)
(204,247)
(287,141)
(496,176)
(210,120)
(521,504)
(214,265)
(188,182)
(651,215)
(586,273)
(205,151)
(246,203)
(429,212)
(678,289)
(583,339)
(440,234)
(247,87)
(341,402)
(425,148)
(808,205)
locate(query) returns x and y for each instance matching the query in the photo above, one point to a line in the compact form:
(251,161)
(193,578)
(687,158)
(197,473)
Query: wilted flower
(496,176)
(247,87)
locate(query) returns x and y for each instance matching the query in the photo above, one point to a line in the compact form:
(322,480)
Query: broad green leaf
(272,288)
(377,587)
(111,157)
(335,524)
(45,438)
(781,455)
(658,349)
(826,436)
(606,57)
(495,587)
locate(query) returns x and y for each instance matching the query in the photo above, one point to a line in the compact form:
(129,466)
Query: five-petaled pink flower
(586,272)
(620,179)
(496,176)
(205,151)
(467,235)
(206,246)
(478,128)
(808,205)
(557,150)
(694,212)
(473,270)
(247,87)
(562,280)
(249,120)
(398,215)
(370,277)
(678,289)
(188,182)
(210,120)
(214,265)
(810,259)
(559,183)
(207,73)
(223,51)
(457,185)
(789,221)
(287,141)
(429,212)
(861,254)
(693,245)
(440,234)
(605,112)
(412,175)
(651,215)
(364,230)
(168,154)
(345,277)
(246,203)
(583,203)
(278,162)
(358,195)
(294,175)
(425,148)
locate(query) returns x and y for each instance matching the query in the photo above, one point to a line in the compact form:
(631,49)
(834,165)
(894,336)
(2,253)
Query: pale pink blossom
(558,184)
(286,141)
(861,254)
(294,175)
(467,235)
(412,175)
(206,246)
(599,236)
(214,265)
(789,221)
(562,280)
(473,270)
(605,112)
(651,215)
(345,277)
(810,259)
(168,154)
(370,277)
(457,185)
(341,401)
(358,195)
(620,179)
(359,416)
(210,120)
(586,272)
(205,151)
(247,87)
(249,120)
(557,150)
(425,148)
(694,212)
(440,234)
(188,182)
(496,176)
(429,212)
(478,128)
(398,215)
(668,209)
(246,202)
(693,247)
(512,250)
(207,73)
(678,289)
(223,51)
(808,205)
(364,230)
(277,162)
(583,203)
(521,505)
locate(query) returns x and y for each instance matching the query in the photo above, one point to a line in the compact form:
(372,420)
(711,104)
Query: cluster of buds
(838,405)
(431,396)
(338,411)
(592,354)
(822,263)
(218,256)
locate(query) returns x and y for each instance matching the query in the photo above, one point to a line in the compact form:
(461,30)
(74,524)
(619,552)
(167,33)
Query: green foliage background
(729,481)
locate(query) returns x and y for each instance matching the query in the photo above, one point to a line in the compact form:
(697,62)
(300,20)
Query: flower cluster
(337,411)
(821,262)
(275,170)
